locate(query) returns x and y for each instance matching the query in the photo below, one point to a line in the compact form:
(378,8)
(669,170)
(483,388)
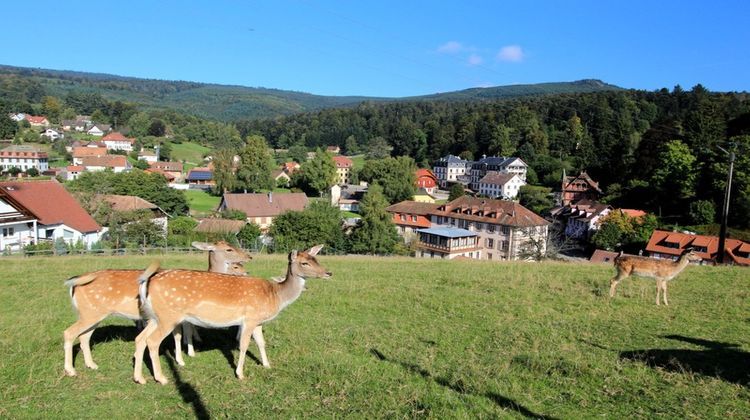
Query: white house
(65,219)
(504,165)
(116,141)
(500,185)
(451,169)
(24,158)
(98,129)
(52,134)
(117,163)
(17,224)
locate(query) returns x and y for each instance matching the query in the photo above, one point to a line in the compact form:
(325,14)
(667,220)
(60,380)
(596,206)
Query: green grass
(358,161)
(200,201)
(191,153)
(398,337)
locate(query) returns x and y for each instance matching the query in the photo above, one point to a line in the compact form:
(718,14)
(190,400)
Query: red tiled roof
(107,161)
(412,207)
(262,205)
(633,212)
(52,204)
(343,162)
(603,256)
(116,136)
(167,166)
(75,168)
(84,151)
(732,247)
(34,119)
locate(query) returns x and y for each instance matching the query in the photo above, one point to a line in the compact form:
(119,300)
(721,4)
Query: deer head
(304,264)
(221,255)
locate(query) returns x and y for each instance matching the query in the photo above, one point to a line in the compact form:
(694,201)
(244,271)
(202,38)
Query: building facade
(24,158)
(343,170)
(451,169)
(504,165)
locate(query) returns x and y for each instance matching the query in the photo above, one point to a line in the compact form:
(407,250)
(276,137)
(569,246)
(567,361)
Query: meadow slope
(398,337)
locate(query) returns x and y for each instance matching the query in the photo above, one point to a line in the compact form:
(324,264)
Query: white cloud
(451,47)
(512,53)
(475,60)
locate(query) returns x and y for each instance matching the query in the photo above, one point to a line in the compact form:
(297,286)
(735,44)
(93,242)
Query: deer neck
(291,288)
(682,263)
(216,264)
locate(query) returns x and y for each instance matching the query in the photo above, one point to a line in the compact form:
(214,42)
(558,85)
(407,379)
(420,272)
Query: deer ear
(203,246)
(293,255)
(314,250)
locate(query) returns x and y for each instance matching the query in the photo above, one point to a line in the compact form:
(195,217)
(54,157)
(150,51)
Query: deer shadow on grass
(458,387)
(225,341)
(188,393)
(718,359)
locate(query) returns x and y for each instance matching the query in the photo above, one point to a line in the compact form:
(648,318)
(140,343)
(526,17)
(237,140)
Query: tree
(378,148)
(702,212)
(256,164)
(141,164)
(157,128)
(8,127)
(249,234)
(675,176)
(375,233)
(319,223)
(32,172)
(456,191)
(317,174)
(351,147)
(225,179)
(535,198)
(396,176)
(298,153)
(51,107)
(233,214)
(139,124)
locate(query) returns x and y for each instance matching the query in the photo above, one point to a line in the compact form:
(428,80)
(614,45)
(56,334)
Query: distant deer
(661,270)
(216,300)
(97,295)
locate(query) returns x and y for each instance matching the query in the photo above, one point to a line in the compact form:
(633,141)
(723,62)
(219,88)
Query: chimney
(270,196)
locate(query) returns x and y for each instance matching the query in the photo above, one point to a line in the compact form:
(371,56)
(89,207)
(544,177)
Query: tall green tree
(396,176)
(375,233)
(456,191)
(225,179)
(317,174)
(319,223)
(256,164)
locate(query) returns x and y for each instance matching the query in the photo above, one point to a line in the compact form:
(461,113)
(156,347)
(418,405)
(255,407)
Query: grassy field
(191,153)
(200,201)
(398,337)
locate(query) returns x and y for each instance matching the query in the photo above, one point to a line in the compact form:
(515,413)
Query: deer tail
(143,288)
(80,280)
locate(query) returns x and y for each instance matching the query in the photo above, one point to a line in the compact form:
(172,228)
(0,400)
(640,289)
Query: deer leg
(69,336)
(85,340)
(153,341)
(261,342)
(140,347)
(246,331)
(177,335)
(189,333)
(658,291)
(666,303)
(614,282)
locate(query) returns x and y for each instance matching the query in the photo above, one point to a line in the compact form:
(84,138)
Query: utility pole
(725,207)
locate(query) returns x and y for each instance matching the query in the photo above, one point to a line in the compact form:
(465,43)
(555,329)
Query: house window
(414,218)
(490,243)
(403,217)
(506,230)
(490,228)
(8,231)
(489,255)
(504,245)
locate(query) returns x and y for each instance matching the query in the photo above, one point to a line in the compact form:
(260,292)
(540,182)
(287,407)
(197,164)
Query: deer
(661,270)
(217,300)
(97,295)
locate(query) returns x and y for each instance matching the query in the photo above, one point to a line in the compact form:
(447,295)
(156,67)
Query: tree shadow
(718,359)
(459,387)
(188,392)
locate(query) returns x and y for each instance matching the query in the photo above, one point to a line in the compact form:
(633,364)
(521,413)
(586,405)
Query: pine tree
(375,233)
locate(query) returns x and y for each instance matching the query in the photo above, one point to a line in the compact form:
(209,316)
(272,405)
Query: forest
(659,151)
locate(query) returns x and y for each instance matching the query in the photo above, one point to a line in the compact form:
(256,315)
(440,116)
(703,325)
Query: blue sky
(390,48)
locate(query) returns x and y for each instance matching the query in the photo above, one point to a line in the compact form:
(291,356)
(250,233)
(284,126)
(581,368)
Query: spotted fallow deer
(97,295)
(661,270)
(215,300)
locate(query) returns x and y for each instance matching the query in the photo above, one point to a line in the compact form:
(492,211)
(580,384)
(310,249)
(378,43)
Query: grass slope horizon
(233,102)
(403,337)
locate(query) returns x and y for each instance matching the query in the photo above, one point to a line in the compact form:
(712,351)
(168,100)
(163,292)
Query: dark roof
(194,175)
(496,178)
(268,204)
(220,226)
(501,212)
(127,202)
(51,204)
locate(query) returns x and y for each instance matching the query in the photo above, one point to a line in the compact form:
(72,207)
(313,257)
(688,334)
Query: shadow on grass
(721,360)
(188,392)
(223,340)
(500,400)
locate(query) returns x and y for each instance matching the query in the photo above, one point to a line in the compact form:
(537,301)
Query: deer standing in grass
(215,300)
(661,270)
(97,295)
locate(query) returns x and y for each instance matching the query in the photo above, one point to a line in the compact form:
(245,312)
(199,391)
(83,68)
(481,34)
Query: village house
(500,185)
(202,178)
(504,165)
(81,152)
(72,172)
(24,158)
(410,216)
(671,245)
(37,120)
(261,209)
(422,196)
(334,150)
(148,156)
(450,170)
(116,141)
(581,219)
(448,243)
(506,230)
(65,219)
(52,134)
(580,187)
(347,197)
(290,167)
(117,163)
(426,179)
(130,203)
(280,178)
(18,224)
(98,130)
(172,168)
(343,170)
